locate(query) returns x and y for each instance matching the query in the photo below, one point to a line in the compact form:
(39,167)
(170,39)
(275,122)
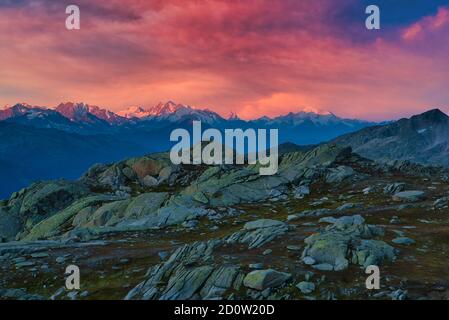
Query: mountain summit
(81,112)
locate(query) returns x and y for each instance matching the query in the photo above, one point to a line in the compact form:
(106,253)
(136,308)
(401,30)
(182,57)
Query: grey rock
(257,233)
(39,255)
(399,294)
(306,287)
(368,190)
(348,206)
(308,260)
(394,188)
(404,241)
(372,252)
(267,252)
(263,279)
(301,191)
(338,174)
(345,241)
(323,267)
(19,294)
(24,264)
(162,255)
(257,266)
(441,203)
(409,196)
(149,182)
(262,223)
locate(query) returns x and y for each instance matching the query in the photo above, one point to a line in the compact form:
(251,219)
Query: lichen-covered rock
(51,226)
(372,252)
(344,241)
(263,279)
(45,198)
(143,206)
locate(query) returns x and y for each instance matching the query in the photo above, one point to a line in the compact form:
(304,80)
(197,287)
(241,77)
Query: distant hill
(423,138)
(28,154)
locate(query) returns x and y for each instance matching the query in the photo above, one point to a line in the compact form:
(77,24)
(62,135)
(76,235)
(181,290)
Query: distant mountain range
(38,143)
(422,139)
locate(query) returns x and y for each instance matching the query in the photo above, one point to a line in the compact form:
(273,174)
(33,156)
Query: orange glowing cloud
(427,24)
(255,57)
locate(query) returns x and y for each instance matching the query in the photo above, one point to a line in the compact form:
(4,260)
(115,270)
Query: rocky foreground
(147,229)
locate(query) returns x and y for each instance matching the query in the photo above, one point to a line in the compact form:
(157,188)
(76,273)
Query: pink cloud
(252,57)
(427,25)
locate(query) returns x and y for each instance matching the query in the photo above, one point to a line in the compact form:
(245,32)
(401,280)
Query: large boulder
(52,226)
(44,198)
(347,240)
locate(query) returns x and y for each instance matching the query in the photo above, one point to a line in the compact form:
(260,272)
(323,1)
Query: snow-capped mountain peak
(18,109)
(81,112)
(233,116)
(134,112)
(164,109)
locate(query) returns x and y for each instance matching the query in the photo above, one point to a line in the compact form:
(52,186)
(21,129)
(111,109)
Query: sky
(251,57)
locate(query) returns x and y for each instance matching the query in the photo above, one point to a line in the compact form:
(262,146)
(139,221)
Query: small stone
(308,261)
(404,241)
(309,275)
(84,294)
(72,295)
(323,267)
(257,266)
(293,248)
(410,196)
(330,220)
(39,255)
(395,220)
(24,264)
(306,287)
(267,252)
(399,294)
(149,181)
